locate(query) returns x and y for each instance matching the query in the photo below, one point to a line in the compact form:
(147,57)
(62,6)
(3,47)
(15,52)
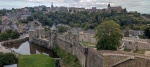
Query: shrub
(1,58)
(67,58)
(9,58)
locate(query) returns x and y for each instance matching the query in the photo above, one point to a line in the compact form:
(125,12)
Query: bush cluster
(7,58)
(9,34)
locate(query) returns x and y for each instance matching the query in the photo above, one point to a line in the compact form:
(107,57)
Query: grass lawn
(89,44)
(127,50)
(35,60)
(140,51)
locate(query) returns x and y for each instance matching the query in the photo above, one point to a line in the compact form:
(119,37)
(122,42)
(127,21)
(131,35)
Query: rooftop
(53,27)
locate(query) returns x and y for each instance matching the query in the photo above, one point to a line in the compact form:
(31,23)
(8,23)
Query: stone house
(9,22)
(87,36)
(133,33)
(116,8)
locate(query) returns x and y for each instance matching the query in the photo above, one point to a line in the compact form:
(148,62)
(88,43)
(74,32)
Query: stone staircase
(122,47)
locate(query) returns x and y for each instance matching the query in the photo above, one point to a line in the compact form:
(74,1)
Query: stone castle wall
(141,44)
(14,41)
(95,59)
(88,57)
(126,59)
(137,62)
(41,42)
(136,40)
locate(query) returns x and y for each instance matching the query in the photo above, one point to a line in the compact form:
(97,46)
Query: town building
(87,36)
(115,8)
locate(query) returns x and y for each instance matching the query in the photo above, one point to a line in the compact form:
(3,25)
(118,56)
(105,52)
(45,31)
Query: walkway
(3,49)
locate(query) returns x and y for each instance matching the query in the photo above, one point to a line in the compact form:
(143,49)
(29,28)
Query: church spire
(52,5)
(109,5)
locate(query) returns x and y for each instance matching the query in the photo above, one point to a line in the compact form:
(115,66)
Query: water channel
(27,48)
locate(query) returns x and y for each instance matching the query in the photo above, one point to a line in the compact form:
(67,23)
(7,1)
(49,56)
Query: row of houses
(93,9)
(53,8)
(89,35)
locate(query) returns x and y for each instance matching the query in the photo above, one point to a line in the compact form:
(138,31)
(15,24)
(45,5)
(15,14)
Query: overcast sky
(142,6)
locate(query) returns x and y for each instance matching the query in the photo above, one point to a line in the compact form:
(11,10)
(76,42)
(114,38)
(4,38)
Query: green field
(35,60)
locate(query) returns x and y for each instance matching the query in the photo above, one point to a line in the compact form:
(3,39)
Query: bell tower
(52,7)
(109,5)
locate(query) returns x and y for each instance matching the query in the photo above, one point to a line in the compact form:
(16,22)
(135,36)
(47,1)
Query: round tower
(53,36)
(75,34)
(31,32)
(41,32)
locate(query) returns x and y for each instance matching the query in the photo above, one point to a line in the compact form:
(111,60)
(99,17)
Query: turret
(53,29)
(75,34)
(31,32)
(41,31)
(53,36)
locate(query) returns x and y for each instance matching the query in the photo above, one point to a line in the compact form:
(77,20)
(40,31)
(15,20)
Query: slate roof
(74,31)
(53,27)
(40,27)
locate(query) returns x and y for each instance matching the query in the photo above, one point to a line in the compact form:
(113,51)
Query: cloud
(131,5)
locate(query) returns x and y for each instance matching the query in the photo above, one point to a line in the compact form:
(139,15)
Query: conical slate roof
(15,27)
(40,27)
(74,31)
(53,27)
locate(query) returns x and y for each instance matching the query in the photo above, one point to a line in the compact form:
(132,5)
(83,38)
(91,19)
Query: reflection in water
(23,49)
(27,48)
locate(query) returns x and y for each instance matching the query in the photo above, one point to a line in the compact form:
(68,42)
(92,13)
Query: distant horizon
(61,6)
(134,5)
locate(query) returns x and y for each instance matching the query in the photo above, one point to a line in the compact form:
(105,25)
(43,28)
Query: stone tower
(74,38)
(31,32)
(52,7)
(53,36)
(75,34)
(40,32)
(109,5)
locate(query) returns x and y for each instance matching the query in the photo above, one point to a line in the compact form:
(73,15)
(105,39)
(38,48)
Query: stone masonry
(89,57)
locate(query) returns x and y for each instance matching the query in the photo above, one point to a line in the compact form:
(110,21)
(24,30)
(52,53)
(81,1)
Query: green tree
(62,29)
(9,58)
(15,35)
(9,34)
(23,21)
(29,18)
(71,24)
(108,36)
(44,9)
(1,58)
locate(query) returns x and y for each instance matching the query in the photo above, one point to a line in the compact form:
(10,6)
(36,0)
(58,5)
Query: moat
(27,48)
